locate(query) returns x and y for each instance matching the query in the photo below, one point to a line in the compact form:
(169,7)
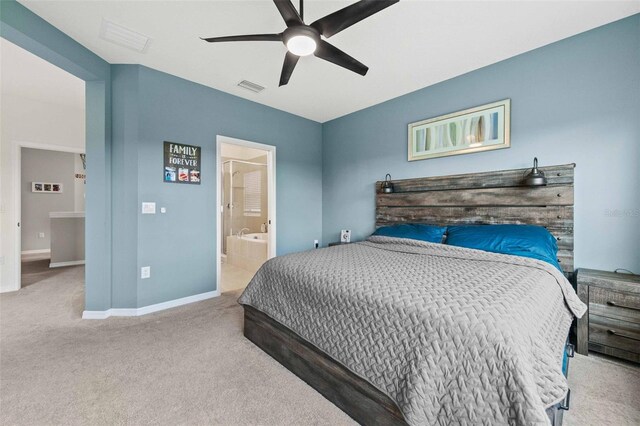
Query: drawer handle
(618,305)
(626,336)
(571,350)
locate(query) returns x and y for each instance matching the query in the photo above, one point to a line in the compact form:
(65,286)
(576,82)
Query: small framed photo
(46,188)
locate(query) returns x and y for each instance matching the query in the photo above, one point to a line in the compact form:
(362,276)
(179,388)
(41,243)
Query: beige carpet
(191,365)
(604,392)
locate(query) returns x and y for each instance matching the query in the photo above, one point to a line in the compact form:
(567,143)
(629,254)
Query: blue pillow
(414,231)
(519,240)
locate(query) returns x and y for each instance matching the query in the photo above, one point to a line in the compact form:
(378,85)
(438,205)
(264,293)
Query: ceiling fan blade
(346,17)
(290,61)
(332,54)
(249,37)
(288,12)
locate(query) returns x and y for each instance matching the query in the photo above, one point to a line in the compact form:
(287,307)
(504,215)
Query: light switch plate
(145,272)
(148,208)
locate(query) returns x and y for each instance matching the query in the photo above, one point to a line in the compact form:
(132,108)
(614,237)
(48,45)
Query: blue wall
(577,100)
(180,246)
(148,108)
(34,34)
(574,101)
(124,206)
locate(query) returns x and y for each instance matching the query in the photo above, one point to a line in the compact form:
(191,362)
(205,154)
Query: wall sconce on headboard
(387,186)
(535,177)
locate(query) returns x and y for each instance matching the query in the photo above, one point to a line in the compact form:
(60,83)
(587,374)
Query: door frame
(17,192)
(271,196)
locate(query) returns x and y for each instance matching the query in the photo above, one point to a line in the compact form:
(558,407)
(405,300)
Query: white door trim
(271,194)
(17,155)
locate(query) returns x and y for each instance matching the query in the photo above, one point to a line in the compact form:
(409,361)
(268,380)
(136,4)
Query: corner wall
(574,101)
(180,246)
(151,107)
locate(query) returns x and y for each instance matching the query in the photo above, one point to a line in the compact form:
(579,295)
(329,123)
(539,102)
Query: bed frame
(477,198)
(486,198)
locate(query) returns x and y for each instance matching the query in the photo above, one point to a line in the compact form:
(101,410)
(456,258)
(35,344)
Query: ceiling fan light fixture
(301,39)
(301,45)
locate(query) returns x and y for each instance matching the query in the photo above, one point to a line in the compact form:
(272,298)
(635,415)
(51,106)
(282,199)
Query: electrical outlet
(315,243)
(40,234)
(145,272)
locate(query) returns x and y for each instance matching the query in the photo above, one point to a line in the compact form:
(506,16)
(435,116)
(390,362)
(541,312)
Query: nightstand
(611,325)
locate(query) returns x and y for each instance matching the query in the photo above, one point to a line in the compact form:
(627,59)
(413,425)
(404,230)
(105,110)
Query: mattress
(451,335)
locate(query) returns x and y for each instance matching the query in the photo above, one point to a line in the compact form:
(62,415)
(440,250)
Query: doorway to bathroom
(246,226)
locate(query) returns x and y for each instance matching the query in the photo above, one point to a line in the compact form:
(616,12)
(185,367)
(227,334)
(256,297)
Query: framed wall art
(482,128)
(46,187)
(181,163)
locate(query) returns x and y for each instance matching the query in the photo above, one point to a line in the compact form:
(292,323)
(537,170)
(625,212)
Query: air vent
(256,88)
(123,36)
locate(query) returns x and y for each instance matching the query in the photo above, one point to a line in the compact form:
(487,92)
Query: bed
(397,331)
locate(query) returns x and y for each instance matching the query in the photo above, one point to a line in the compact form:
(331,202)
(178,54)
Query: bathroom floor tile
(234,277)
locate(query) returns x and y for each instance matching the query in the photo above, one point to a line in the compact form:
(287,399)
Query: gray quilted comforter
(452,335)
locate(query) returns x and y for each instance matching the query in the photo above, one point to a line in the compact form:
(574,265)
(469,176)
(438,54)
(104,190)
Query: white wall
(40,165)
(79,184)
(37,124)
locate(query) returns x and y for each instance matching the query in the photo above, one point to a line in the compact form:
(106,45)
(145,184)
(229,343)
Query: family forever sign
(181,163)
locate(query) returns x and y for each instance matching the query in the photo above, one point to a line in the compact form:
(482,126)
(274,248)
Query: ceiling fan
(302,39)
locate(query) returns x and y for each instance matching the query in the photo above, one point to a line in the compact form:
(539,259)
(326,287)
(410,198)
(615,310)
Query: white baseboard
(70,263)
(96,314)
(39,251)
(136,312)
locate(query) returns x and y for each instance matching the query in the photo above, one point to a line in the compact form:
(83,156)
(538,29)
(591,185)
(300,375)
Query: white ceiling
(25,75)
(407,46)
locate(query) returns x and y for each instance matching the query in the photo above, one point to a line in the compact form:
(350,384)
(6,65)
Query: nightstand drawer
(614,333)
(612,323)
(614,304)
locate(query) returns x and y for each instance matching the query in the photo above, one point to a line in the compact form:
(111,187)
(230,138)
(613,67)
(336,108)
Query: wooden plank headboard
(486,198)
